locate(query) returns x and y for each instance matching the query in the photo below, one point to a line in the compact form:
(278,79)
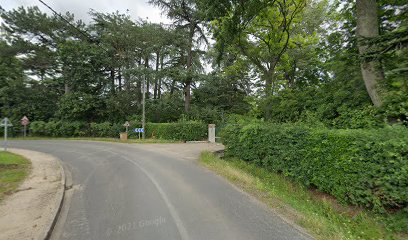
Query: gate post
(211,133)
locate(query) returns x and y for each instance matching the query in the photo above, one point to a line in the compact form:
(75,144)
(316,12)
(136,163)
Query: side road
(31,211)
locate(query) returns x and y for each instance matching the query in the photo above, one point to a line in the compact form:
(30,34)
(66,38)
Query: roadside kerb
(55,208)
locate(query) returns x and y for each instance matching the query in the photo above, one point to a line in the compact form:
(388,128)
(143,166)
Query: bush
(105,129)
(38,128)
(183,130)
(59,129)
(365,117)
(362,167)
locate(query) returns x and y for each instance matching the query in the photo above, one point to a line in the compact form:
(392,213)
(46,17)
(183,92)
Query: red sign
(25,121)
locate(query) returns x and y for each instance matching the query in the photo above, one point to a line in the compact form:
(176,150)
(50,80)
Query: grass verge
(13,170)
(318,213)
(148,140)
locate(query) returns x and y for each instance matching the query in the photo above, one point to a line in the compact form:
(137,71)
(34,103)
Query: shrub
(183,130)
(362,167)
(38,128)
(59,129)
(105,129)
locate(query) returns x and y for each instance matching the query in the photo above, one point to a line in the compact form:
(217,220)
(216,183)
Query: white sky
(136,8)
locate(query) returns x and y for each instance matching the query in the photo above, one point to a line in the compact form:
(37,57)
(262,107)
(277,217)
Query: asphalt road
(130,191)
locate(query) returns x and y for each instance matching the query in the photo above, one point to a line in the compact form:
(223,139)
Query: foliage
(340,109)
(307,56)
(224,93)
(59,128)
(79,106)
(181,130)
(166,109)
(321,216)
(105,129)
(361,167)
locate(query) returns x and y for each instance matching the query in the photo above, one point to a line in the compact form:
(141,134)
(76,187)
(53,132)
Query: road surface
(141,191)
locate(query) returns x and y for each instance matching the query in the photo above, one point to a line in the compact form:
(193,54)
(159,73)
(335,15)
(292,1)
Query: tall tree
(367,28)
(185,15)
(261,30)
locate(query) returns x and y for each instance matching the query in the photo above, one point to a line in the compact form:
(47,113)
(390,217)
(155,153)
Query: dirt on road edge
(31,212)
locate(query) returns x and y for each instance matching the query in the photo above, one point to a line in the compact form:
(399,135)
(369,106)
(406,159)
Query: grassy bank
(13,170)
(318,213)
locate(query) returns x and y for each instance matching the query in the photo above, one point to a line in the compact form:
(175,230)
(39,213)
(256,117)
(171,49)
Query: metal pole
(5,136)
(25,130)
(144,108)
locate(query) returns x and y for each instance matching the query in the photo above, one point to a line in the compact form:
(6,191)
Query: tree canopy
(279,60)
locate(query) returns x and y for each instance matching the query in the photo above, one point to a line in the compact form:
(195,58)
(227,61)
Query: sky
(80,8)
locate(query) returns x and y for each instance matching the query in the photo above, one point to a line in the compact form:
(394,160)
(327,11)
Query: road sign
(126,124)
(25,121)
(139,130)
(5,123)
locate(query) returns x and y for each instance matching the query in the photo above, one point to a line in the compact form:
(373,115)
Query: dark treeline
(284,61)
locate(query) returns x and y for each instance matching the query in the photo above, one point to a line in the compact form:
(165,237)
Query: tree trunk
(147,78)
(172,87)
(120,79)
(66,88)
(112,78)
(139,84)
(269,78)
(160,78)
(156,78)
(187,85)
(290,75)
(367,27)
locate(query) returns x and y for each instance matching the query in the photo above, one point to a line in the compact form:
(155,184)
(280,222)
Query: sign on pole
(5,123)
(25,122)
(127,124)
(139,130)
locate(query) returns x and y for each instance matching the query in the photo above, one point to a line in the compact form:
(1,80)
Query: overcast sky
(136,8)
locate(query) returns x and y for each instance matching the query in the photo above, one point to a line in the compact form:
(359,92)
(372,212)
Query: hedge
(361,167)
(182,131)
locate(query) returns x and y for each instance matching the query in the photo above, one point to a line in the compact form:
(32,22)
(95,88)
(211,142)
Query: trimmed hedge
(361,167)
(182,131)
(59,129)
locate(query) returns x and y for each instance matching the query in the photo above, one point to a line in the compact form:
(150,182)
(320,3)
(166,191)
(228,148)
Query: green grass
(13,170)
(316,212)
(148,140)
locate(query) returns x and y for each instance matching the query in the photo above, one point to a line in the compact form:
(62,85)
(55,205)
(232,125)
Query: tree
(367,28)
(186,16)
(262,33)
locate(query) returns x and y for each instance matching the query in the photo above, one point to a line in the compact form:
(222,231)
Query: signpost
(139,130)
(124,135)
(25,122)
(5,123)
(127,124)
